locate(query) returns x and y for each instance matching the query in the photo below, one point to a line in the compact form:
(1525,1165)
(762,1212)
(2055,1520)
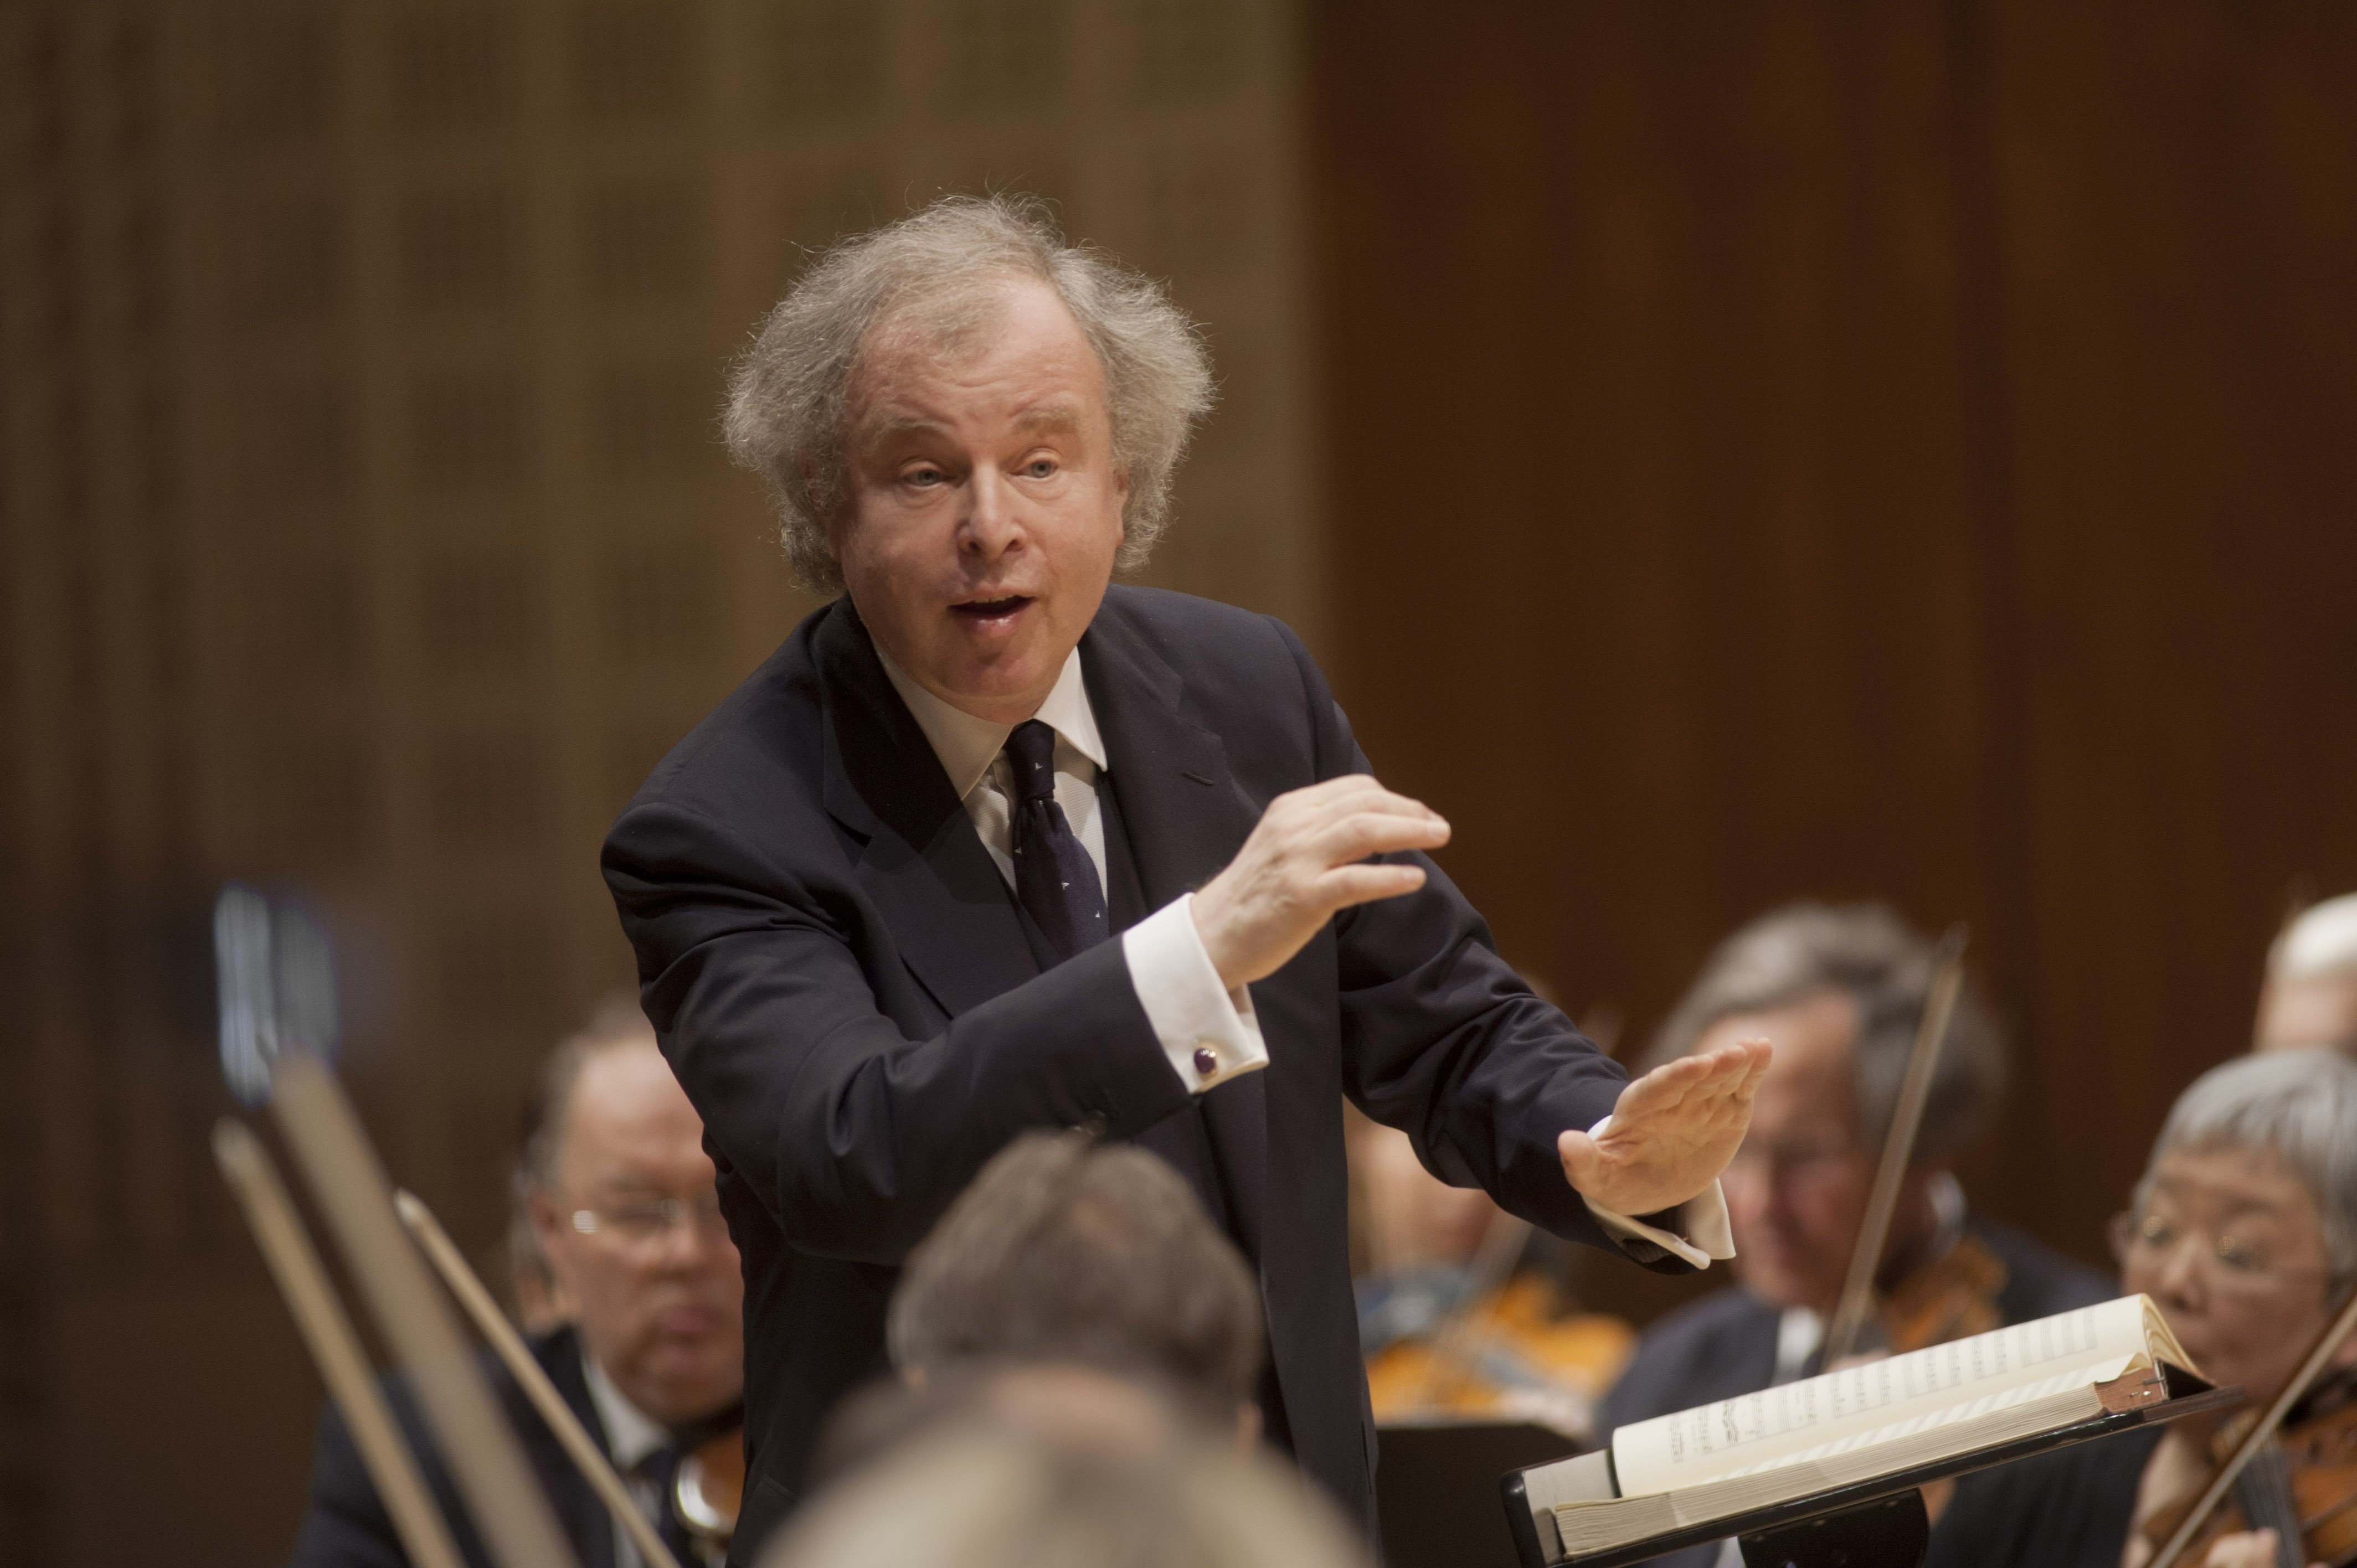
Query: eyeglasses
(649,1221)
(2232,1262)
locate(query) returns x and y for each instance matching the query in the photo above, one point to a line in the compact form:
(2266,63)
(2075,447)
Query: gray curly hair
(789,394)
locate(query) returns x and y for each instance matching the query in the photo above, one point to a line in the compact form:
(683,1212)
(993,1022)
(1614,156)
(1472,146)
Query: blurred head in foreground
(623,1207)
(2245,1226)
(2310,996)
(1067,1249)
(1840,991)
(1064,1466)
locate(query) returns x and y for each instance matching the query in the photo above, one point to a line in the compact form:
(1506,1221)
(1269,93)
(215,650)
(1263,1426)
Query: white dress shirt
(630,1435)
(1176,986)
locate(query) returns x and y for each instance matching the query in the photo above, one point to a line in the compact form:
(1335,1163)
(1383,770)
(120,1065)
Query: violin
(2303,1485)
(710,1488)
(1512,1353)
(2296,1477)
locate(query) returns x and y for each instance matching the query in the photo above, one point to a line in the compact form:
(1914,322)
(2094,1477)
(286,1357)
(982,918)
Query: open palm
(1672,1130)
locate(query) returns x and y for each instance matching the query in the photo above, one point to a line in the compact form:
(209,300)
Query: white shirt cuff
(1209,1032)
(1702,1231)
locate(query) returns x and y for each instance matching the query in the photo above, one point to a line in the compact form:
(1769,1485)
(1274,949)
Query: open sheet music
(1864,1421)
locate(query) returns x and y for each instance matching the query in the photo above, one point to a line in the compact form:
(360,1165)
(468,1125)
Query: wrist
(1203,909)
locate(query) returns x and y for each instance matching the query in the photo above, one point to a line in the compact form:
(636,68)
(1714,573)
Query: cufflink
(1207,1060)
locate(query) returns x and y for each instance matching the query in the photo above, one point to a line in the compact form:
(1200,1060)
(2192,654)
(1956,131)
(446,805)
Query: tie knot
(1032,758)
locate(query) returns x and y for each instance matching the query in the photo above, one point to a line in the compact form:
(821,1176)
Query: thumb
(1582,1162)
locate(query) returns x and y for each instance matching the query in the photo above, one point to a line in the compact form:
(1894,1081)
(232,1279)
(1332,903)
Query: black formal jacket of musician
(2071,1508)
(857,1006)
(346,1525)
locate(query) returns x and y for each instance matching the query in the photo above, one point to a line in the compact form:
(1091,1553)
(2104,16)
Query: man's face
(984,507)
(2231,1247)
(1796,1192)
(661,1299)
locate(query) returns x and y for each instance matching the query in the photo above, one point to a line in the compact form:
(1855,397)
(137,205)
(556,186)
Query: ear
(547,1225)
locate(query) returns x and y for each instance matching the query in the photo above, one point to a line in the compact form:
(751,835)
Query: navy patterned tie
(1054,878)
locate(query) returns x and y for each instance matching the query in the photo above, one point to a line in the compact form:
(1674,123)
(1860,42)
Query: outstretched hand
(1672,1130)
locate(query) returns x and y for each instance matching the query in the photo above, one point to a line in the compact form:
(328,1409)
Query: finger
(1364,833)
(1321,804)
(1347,884)
(1581,1160)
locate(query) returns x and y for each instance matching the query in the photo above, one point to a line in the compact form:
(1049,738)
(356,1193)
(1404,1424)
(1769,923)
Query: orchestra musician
(2310,996)
(988,844)
(622,1207)
(2243,1230)
(1840,991)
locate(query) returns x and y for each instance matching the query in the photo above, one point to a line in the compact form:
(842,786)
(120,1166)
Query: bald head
(2310,996)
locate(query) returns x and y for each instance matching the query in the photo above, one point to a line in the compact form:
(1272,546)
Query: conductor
(988,844)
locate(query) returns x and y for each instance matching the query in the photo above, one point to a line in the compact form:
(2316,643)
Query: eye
(923,475)
(1041,468)
(2240,1256)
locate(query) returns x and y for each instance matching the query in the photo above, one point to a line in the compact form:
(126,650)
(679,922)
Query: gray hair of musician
(1869,953)
(1067,1249)
(941,269)
(1081,1493)
(2300,1106)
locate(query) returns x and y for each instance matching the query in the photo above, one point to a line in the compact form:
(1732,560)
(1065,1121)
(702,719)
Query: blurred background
(1721,453)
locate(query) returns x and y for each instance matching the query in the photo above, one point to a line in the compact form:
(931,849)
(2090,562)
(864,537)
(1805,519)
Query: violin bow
(1459,1340)
(1856,1301)
(517,1357)
(277,994)
(2312,1366)
(334,1348)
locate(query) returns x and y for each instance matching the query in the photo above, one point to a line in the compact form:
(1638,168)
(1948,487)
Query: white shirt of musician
(630,1435)
(1176,986)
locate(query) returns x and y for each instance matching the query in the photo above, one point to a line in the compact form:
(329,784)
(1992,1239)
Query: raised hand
(1671,1132)
(1301,864)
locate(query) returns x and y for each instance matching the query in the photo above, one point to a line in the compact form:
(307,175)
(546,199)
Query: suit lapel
(1186,820)
(925,868)
(584,1518)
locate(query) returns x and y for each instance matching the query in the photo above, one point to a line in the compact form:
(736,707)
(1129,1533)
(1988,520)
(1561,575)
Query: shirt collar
(631,1433)
(967,745)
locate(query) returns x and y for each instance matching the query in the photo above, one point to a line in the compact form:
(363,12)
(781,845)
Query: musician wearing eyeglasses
(621,1203)
(2244,1231)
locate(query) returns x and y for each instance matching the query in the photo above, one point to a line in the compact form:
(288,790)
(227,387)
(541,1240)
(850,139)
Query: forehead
(1812,1078)
(626,1106)
(2228,1179)
(1002,349)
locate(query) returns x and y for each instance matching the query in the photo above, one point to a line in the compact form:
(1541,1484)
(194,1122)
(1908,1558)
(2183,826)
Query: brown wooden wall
(1908,451)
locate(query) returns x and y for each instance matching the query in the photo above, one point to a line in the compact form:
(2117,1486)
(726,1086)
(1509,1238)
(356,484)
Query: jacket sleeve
(854,1137)
(1442,1039)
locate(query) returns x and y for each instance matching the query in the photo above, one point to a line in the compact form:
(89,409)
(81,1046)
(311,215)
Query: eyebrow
(1058,417)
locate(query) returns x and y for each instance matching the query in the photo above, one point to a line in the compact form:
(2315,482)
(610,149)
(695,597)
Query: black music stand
(1874,1523)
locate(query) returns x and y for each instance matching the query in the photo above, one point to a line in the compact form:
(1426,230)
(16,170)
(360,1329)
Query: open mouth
(993,610)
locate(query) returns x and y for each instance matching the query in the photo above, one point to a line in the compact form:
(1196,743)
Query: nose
(2178,1279)
(988,529)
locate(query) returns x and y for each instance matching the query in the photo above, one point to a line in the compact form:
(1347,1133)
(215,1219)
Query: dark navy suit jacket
(857,1006)
(347,1526)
